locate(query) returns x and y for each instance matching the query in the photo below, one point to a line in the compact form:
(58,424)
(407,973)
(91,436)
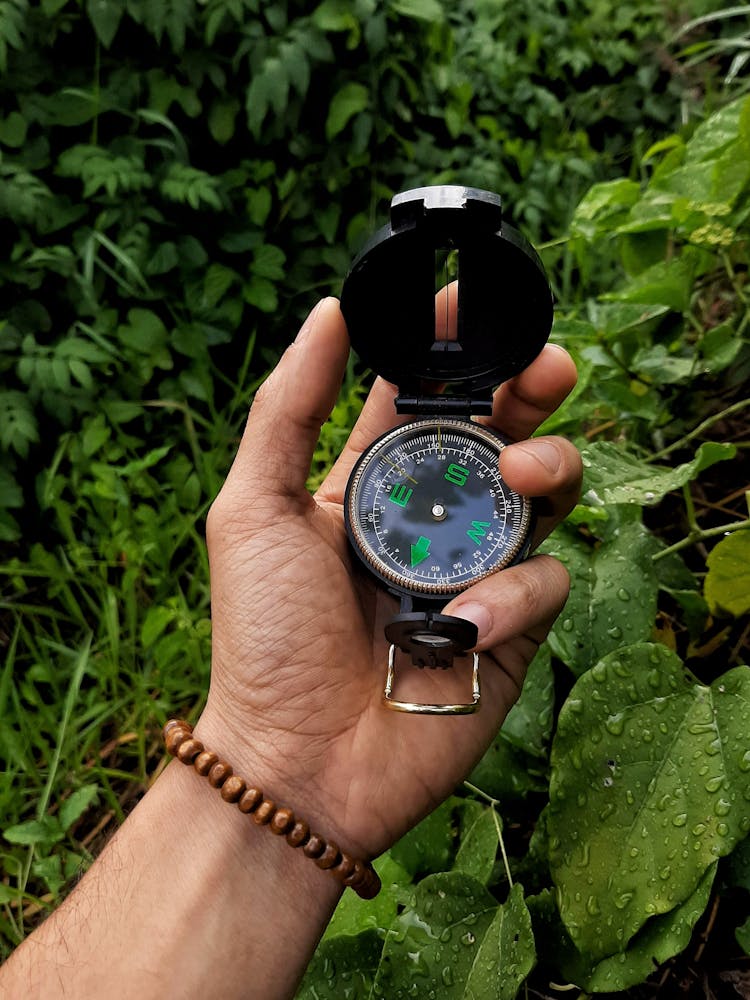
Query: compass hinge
(444,406)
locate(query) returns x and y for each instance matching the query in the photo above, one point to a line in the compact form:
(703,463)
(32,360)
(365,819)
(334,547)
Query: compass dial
(428,511)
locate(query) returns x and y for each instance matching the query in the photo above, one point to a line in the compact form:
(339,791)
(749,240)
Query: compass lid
(492,330)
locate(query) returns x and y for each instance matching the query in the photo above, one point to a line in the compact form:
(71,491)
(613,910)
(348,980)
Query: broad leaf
(727,584)
(650,785)
(428,847)
(347,959)
(613,592)
(613,475)
(454,941)
(349,101)
(354,915)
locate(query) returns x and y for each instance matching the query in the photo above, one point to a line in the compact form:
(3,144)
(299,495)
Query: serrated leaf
(350,100)
(72,808)
(650,784)
(727,583)
(45,831)
(612,475)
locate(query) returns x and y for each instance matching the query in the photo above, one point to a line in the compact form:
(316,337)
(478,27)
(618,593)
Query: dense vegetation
(179,181)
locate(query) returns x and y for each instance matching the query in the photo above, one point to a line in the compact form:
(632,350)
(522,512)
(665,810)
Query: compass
(426,509)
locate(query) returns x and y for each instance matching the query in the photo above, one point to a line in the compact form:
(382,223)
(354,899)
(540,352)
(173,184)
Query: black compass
(426,508)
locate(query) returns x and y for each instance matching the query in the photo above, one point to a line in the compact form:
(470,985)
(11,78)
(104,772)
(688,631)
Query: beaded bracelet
(358,875)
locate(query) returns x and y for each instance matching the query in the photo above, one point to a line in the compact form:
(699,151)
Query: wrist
(262,807)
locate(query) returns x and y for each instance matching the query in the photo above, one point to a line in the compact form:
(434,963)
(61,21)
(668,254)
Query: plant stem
(704,425)
(700,534)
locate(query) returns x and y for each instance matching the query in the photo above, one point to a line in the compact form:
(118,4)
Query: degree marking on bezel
(403,580)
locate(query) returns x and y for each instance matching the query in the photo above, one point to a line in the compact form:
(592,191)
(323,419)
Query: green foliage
(174,200)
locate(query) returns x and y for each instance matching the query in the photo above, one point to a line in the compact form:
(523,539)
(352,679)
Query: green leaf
(660,939)
(613,592)
(13,130)
(222,118)
(506,955)
(45,831)
(478,848)
(350,100)
(342,966)
(613,475)
(603,206)
(72,808)
(727,583)
(421,10)
(650,784)
(436,940)
(428,847)
(105,15)
(354,915)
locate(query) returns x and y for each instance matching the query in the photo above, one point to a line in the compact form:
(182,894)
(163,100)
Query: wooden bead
(314,846)
(344,868)
(250,800)
(299,834)
(330,856)
(175,738)
(232,788)
(265,812)
(175,724)
(188,750)
(282,822)
(205,761)
(370,887)
(219,774)
(357,875)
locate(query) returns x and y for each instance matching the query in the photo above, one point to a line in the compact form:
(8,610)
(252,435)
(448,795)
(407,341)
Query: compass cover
(504,303)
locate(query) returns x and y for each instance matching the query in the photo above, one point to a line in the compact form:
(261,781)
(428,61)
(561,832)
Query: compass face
(428,512)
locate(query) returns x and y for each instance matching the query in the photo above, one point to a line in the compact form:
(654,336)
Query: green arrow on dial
(420,551)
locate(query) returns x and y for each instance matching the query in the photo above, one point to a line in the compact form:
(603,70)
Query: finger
(378,416)
(522,403)
(520,601)
(549,468)
(290,407)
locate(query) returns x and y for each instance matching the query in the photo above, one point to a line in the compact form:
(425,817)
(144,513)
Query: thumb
(290,407)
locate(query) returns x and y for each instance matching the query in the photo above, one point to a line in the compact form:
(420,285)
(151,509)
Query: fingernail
(544,452)
(309,323)
(478,615)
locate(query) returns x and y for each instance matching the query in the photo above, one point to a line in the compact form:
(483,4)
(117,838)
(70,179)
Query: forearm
(190,898)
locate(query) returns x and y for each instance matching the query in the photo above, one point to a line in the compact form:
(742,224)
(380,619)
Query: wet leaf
(428,847)
(342,968)
(478,848)
(650,785)
(447,940)
(727,584)
(506,955)
(354,915)
(613,592)
(613,476)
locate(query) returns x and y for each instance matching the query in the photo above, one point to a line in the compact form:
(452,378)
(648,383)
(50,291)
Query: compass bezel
(402,583)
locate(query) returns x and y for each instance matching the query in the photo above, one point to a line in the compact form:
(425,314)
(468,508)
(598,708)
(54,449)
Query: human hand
(299,656)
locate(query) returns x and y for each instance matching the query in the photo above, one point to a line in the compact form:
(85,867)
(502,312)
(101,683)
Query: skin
(191,898)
